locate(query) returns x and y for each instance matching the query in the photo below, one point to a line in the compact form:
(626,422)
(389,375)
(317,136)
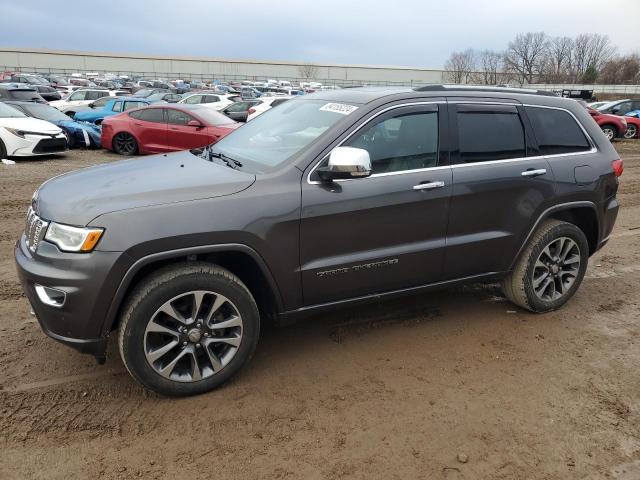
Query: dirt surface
(451,385)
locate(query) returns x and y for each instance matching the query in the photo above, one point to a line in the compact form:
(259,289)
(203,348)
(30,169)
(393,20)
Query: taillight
(618,167)
(251,110)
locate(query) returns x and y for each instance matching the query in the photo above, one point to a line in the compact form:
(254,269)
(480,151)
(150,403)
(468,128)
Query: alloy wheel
(556,269)
(124,144)
(609,133)
(193,336)
(631,132)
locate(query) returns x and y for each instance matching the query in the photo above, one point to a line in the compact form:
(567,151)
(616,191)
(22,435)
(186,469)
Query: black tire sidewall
(562,230)
(125,135)
(3,150)
(142,312)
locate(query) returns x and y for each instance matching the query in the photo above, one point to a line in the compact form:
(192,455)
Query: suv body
(329,199)
(81,98)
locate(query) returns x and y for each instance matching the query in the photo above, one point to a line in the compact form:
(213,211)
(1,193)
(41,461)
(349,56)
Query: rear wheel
(632,131)
(124,144)
(188,328)
(550,269)
(609,131)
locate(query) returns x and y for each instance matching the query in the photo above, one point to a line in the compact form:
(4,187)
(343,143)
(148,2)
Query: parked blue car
(114,106)
(79,134)
(633,113)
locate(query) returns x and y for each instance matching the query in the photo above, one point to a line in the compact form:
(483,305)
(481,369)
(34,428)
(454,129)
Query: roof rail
(479,88)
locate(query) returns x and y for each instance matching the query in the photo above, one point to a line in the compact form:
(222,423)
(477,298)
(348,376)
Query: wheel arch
(582,214)
(241,260)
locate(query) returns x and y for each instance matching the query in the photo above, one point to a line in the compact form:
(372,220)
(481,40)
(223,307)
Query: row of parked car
(157,119)
(618,118)
(150,120)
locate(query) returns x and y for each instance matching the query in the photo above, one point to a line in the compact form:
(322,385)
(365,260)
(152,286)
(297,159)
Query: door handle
(428,185)
(534,172)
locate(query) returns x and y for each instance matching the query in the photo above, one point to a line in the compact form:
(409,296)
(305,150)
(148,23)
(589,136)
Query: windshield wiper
(230,162)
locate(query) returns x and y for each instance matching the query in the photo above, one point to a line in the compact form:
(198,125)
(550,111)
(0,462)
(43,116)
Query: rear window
(557,131)
(490,135)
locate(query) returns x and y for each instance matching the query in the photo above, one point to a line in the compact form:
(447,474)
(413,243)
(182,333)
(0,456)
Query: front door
(387,231)
(181,136)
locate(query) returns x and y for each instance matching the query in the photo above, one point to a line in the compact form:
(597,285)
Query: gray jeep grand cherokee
(329,199)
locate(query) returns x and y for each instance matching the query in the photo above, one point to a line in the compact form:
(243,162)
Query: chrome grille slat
(34,230)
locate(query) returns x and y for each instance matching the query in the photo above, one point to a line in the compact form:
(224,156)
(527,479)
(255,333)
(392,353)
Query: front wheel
(187,329)
(632,131)
(550,269)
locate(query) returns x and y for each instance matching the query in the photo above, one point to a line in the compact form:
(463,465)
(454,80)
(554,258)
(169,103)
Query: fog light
(51,296)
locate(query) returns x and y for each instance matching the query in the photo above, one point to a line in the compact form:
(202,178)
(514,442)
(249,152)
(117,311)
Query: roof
(17,86)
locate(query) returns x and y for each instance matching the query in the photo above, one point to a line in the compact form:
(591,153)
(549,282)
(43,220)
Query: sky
(401,32)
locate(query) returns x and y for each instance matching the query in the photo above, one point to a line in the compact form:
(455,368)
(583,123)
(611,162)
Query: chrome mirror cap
(346,162)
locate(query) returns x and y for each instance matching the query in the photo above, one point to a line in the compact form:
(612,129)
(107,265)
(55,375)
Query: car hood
(30,124)
(78,197)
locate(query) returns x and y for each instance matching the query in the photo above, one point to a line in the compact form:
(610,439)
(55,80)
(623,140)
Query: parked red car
(612,126)
(164,128)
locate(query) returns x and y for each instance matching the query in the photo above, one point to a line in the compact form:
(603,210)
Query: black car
(620,107)
(14,91)
(239,111)
(40,84)
(327,200)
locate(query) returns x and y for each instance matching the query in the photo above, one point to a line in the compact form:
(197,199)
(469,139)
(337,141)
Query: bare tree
(308,71)
(557,63)
(590,50)
(460,66)
(490,64)
(620,70)
(525,54)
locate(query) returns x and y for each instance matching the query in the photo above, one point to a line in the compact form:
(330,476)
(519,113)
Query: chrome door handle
(534,173)
(428,185)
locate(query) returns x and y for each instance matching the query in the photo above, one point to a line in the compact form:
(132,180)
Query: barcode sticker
(342,108)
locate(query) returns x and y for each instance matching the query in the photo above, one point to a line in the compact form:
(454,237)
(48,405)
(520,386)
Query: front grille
(34,229)
(51,145)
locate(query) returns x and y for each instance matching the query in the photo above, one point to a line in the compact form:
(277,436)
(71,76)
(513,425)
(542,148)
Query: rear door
(387,231)
(150,128)
(500,185)
(181,136)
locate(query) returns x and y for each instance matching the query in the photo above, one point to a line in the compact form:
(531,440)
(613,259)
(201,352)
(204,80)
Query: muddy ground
(450,385)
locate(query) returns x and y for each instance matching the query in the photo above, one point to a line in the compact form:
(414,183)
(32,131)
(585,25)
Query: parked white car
(266,103)
(217,101)
(81,98)
(22,136)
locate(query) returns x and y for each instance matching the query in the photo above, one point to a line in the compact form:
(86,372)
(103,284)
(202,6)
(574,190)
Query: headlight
(22,133)
(73,239)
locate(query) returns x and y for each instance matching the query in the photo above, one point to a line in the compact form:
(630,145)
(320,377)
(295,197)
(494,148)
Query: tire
(533,269)
(3,150)
(208,357)
(609,131)
(124,143)
(632,131)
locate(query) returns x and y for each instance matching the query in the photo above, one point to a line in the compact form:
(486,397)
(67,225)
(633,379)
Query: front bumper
(32,145)
(86,281)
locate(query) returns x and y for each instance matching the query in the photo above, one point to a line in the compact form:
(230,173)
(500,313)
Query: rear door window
(154,115)
(193,99)
(177,117)
(556,131)
(117,107)
(486,133)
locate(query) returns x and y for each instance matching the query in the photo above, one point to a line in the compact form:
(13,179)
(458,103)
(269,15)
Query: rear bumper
(608,220)
(83,279)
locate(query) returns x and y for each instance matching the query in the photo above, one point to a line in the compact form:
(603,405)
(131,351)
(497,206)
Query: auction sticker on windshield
(342,108)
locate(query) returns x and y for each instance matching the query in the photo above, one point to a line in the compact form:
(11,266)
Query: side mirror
(346,162)
(194,123)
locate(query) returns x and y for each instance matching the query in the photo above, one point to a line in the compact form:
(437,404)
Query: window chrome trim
(362,124)
(593,149)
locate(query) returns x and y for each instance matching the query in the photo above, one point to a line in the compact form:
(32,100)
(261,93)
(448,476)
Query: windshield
(271,138)
(9,112)
(606,105)
(45,112)
(213,117)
